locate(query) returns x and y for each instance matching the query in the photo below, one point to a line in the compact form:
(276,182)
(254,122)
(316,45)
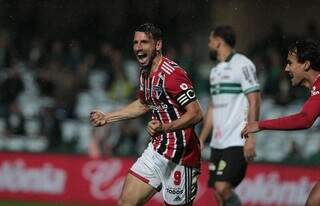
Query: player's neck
(315,76)
(225,53)
(311,78)
(155,63)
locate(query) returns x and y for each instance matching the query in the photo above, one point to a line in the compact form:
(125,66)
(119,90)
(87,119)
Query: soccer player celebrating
(303,66)
(171,161)
(235,100)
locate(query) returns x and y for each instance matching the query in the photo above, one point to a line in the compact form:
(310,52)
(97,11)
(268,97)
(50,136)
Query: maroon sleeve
(179,87)
(303,120)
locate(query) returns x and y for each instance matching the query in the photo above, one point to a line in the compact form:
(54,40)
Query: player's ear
(219,42)
(159,45)
(306,65)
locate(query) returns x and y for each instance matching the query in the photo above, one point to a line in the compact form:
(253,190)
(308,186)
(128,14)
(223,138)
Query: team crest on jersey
(156,91)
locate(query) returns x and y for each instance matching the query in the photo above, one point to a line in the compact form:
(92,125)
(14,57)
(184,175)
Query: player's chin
(144,63)
(296,82)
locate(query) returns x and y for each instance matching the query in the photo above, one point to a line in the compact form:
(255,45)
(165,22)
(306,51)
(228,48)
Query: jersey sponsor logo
(174,191)
(314,91)
(225,77)
(159,107)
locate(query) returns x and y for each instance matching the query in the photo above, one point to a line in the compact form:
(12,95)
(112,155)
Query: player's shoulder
(317,83)
(171,68)
(315,91)
(241,59)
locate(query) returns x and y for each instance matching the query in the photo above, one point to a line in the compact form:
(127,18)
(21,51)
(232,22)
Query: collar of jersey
(158,66)
(317,79)
(230,56)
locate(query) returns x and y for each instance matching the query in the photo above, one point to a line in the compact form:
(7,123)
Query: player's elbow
(307,121)
(198,116)
(307,124)
(194,113)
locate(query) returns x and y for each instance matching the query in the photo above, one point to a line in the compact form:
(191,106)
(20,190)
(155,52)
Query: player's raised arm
(133,110)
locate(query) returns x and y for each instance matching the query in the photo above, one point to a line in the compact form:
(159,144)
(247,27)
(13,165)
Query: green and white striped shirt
(230,81)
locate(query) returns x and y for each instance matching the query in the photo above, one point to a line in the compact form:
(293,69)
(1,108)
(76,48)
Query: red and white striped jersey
(167,91)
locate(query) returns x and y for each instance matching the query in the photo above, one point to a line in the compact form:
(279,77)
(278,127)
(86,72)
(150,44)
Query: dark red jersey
(167,91)
(302,120)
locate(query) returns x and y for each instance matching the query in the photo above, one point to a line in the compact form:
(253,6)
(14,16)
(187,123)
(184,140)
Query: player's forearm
(293,122)
(302,120)
(207,125)
(133,110)
(254,100)
(188,119)
(254,107)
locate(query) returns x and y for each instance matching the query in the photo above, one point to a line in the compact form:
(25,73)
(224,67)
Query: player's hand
(249,151)
(154,127)
(98,118)
(251,127)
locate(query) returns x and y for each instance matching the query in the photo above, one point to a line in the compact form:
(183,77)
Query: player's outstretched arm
(207,126)
(133,110)
(302,120)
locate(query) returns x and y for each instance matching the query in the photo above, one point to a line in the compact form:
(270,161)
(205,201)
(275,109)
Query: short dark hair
(150,29)
(227,33)
(307,50)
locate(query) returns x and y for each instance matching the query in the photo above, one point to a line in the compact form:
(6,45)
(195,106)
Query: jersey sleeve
(179,87)
(302,120)
(248,78)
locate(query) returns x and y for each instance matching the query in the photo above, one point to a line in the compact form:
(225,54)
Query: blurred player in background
(303,66)
(235,100)
(171,161)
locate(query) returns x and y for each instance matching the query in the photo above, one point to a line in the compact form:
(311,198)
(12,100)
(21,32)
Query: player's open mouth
(290,75)
(142,58)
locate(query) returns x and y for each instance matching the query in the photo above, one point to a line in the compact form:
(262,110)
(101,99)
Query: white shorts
(178,182)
